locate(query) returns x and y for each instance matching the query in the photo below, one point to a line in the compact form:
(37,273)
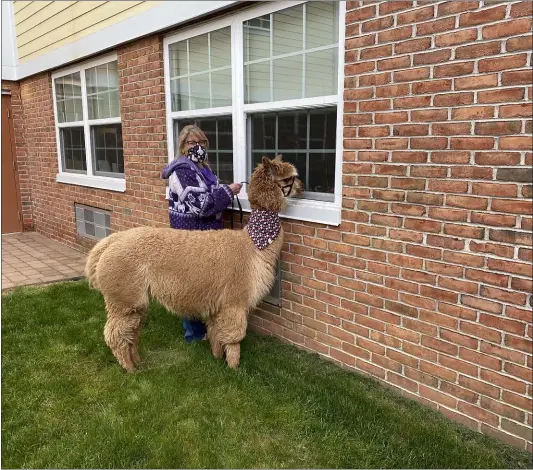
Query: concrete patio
(30,258)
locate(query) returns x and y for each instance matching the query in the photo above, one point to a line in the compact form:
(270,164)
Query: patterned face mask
(197,154)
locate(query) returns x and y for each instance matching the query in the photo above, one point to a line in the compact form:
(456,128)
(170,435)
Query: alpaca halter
(263,227)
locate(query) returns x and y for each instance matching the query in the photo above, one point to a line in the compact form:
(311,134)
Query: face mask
(197,154)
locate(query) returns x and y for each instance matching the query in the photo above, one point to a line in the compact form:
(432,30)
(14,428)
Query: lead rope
(241,215)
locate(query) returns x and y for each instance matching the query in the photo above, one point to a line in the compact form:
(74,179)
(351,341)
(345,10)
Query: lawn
(67,403)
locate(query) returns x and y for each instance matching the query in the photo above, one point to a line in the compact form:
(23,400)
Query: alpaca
(217,276)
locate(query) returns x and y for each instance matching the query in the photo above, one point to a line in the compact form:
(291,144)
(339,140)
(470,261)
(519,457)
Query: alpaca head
(271,182)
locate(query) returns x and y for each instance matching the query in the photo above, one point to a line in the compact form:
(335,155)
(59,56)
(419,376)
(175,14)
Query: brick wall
(426,285)
(143,128)
(20,153)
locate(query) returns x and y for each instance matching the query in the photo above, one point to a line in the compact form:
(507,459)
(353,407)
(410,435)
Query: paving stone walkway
(31,258)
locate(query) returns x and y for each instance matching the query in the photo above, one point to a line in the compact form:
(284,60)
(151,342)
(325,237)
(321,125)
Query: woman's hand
(235,188)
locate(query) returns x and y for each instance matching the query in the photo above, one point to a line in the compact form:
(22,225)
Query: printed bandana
(263,228)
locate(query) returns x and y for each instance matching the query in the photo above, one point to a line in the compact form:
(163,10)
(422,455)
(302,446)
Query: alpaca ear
(278,158)
(267,164)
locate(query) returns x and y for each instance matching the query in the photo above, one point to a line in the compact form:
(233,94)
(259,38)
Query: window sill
(98,182)
(303,209)
(299,209)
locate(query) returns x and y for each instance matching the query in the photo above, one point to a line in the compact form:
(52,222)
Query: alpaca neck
(263,227)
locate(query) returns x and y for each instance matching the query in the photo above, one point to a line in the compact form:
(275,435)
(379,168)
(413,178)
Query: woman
(197,199)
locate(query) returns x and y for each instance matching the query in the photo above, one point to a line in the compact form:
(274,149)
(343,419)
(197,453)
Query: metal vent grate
(92,222)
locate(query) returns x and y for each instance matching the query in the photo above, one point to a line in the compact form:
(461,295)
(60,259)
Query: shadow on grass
(67,403)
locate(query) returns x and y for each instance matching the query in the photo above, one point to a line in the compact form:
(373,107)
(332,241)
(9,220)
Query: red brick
(429,115)
(456,37)
(507,28)
(521,43)
(516,143)
(459,392)
(502,63)
(451,129)
(522,9)
(410,130)
(361,14)
(456,7)
(512,206)
(375,79)
(478,413)
(453,99)
(492,248)
(439,294)
(433,57)
(501,95)
(456,311)
(377,24)
(415,16)
(492,189)
(392,90)
(448,214)
(487,277)
(429,143)
(437,26)
(376,52)
(523,344)
(516,77)
(477,82)
(510,267)
(411,74)
(423,225)
(442,268)
(480,331)
(485,305)
(504,324)
(464,259)
(497,158)
(478,386)
(467,202)
(414,45)
(483,16)
(395,34)
(471,143)
(503,381)
(438,397)
(474,112)
(438,371)
(432,86)
(453,70)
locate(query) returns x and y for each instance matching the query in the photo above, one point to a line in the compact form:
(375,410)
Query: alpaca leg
(217,348)
(233,354)
(121,332)
(134,346)
(230,324)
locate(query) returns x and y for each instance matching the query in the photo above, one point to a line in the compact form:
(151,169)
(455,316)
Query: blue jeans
(195,330)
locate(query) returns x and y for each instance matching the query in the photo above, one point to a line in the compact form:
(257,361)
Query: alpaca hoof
(233,365)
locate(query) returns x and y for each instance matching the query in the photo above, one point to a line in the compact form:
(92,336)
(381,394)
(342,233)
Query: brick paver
(31,258)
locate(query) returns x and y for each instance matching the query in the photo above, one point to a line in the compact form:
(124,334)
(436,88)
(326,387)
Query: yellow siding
(44,26)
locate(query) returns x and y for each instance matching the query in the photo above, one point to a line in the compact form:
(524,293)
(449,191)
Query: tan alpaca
(216,275)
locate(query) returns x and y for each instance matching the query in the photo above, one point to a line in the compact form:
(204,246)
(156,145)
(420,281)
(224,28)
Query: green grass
(67,403)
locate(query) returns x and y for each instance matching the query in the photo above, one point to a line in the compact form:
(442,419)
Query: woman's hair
(190,132)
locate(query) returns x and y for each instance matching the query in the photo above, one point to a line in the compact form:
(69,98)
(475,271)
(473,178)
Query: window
(219,132)
(261,82)
(88,125)
(92,222)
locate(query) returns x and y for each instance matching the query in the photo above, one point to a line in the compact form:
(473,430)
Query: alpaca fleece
(217,276)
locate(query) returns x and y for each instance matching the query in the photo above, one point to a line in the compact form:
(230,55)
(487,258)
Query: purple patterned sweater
(196,200)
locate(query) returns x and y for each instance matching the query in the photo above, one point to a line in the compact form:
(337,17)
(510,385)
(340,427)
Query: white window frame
(90,179)
(325,212)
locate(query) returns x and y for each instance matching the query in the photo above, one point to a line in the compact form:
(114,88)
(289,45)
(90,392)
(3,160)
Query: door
(11,206)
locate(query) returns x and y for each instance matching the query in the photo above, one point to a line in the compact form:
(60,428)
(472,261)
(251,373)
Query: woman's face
(192,141)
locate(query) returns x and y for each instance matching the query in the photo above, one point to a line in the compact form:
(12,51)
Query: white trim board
(160,17)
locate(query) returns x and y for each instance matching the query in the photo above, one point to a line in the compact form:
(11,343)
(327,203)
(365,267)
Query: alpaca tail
(94,257)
